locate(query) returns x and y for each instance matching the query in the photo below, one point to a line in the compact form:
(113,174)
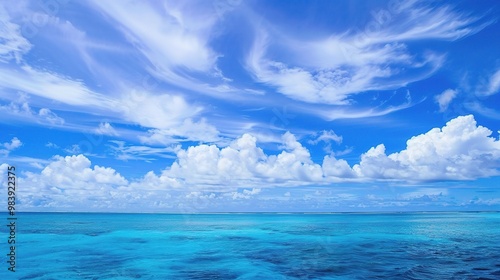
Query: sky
(234,106)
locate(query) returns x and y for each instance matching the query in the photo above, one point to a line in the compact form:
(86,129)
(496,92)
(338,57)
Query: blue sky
(229,105)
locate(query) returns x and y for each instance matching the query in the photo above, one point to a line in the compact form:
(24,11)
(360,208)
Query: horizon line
(259,212)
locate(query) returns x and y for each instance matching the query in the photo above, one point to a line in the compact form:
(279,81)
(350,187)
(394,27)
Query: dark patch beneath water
(138,240)
(205,258)
(207,274)
(312,272)
(266,256)
(96,233)
(183,237)
(238,238)
(32,276)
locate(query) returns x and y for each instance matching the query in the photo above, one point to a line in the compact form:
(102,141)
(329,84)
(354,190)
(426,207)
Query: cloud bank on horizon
(251,106)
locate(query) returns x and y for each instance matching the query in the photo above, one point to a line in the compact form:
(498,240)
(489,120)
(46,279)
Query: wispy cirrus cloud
(150,107)
(187,31)
(492,86)
(122,151)
(334,69)
(49,86)
(175,40)
(445,98)
(13,45)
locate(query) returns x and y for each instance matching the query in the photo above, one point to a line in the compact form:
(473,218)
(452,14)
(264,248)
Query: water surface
(257,246)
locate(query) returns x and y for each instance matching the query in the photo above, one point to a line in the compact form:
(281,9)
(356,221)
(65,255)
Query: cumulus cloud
(460,150)
(242,164)
(335,169)
(62,170)
(14,144)
(70,181)
(444,99)
(105,128)
(245,194)
(10,146)
(204,174)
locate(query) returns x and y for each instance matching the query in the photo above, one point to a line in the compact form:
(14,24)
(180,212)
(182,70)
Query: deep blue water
(256,246)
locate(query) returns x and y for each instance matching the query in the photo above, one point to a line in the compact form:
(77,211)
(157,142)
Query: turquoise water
(257,246)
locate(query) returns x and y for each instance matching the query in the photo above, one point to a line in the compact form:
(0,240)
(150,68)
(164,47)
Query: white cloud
(428,22)
(10,146)
(245,194)
(71,182)
(51,117)
(242,163)
(62,170)
(188,28)
(170,116)
(429,193)
(444,99)
(49,85)
(51,145)
(22,110)
(127,152)
(336,113)
(336,169)
(191,131)
(494,83)
(14,144)
(35,162)
(73,149)
(327,136)
(461,150)
(105,128)
(205,174)
(156,111)
(325,85)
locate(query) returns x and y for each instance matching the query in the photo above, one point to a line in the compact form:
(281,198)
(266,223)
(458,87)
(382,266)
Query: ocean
(454,245)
